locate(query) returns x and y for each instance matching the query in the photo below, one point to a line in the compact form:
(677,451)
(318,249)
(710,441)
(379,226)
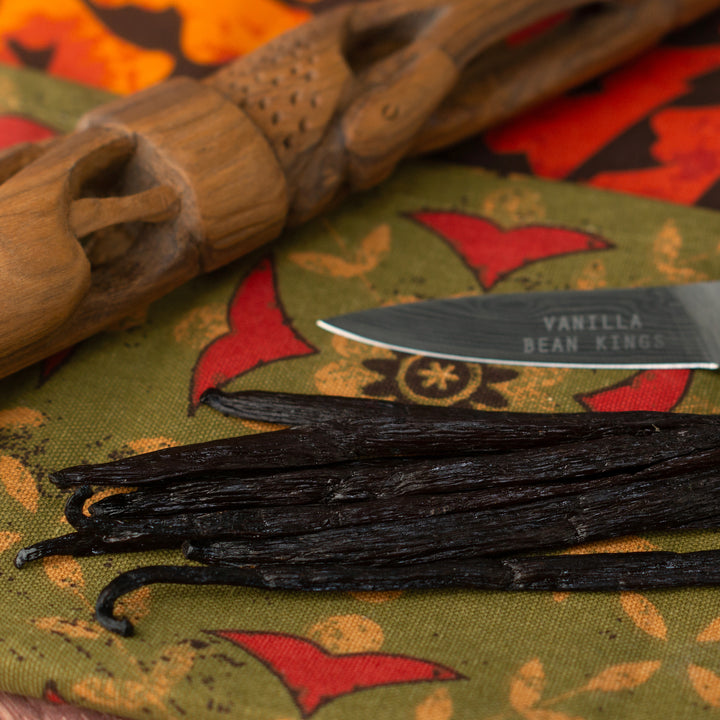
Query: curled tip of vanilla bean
(74,508)
(141,577)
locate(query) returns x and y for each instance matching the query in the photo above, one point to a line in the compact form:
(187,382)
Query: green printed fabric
(431,231)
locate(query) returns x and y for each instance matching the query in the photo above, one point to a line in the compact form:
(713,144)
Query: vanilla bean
(280,454)
(252,452)
(80,544)
(99,534)
(586,572)
(277,520)
(301,409)
(75,544)
(593,572)
(282,520)
(343,483)
(508,513)
(441,433)
(647,505)
(661,456)
(372,495)
(74,507)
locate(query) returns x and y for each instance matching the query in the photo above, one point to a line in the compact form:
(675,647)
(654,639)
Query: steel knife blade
(652,327)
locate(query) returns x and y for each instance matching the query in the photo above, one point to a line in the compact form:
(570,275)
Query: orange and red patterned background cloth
(648,132)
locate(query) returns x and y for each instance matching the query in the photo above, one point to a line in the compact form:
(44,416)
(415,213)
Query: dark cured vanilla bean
(73,544)
(299,409)
(442,433)
(279,521)
(388,478)
(546,523)
(500,505)
(373,495)
(594,572)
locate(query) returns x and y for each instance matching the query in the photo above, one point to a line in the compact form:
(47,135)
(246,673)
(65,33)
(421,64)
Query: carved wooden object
(184,177)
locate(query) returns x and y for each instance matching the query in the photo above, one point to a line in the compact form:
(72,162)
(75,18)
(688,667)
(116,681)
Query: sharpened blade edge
(656,327)
(699,365)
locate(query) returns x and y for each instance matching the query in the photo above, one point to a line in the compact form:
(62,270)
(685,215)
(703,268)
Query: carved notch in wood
(92,215)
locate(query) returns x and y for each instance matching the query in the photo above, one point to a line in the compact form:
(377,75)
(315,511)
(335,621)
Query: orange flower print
(216,32)
(76,45)
(125,46)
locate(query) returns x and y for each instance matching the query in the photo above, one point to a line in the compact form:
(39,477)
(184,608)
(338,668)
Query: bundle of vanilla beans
(373,495)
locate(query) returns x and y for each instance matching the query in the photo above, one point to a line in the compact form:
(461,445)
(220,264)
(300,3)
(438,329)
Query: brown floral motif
(141,686)
(436,706)
(647,618)
(528,700)
(437,381)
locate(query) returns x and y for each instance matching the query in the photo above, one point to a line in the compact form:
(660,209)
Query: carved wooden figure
(179,179)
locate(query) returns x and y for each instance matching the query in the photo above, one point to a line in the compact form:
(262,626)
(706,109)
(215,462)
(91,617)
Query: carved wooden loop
(183,130)
(88,215)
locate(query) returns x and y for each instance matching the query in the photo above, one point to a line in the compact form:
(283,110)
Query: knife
(655,327)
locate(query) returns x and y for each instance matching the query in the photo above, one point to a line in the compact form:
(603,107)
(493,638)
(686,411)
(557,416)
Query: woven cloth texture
(616,184)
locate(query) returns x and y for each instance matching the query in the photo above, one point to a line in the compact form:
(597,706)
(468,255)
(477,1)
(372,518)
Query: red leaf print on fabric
(494,253)
(658,390)
(16,129)
(52,695)
(688,147)
(314,676)
(555,137)
(52,364)
(260,333)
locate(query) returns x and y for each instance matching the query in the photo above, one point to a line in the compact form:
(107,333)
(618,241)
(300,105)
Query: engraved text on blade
(595,332)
